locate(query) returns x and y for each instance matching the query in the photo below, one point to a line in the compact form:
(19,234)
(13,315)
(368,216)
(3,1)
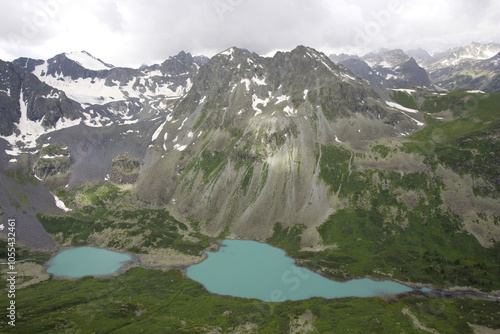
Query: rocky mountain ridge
(253,127)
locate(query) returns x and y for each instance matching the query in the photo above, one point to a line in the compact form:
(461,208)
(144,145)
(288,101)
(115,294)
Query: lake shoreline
(133,262)
(451,293)
(138,260)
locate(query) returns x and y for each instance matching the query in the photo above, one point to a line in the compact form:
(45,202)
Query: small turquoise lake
(250,269)
(86,261)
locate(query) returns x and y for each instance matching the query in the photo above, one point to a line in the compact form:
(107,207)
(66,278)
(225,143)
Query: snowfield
(87,61)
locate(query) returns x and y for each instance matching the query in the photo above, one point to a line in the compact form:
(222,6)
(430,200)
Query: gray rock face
(124,169)
(28,64)
(53,165)
(43,102)
(420,55)
(414,75)
(10,86)
(362,70)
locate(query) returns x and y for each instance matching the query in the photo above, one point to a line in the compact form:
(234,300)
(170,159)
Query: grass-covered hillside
(151,301)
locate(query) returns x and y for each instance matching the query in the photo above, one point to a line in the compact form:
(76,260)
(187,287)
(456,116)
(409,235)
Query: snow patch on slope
(30,131)
(180,147)
(400,107)
(247,84)
(406,90)
(87,61)
(282,98)
(158,131)
(259,82)
(347,76)
(256,101)
(60,204)
(289,111)
(95,90)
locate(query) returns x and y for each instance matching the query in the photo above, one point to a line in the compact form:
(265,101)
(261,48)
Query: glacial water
(250,269)
(86,261)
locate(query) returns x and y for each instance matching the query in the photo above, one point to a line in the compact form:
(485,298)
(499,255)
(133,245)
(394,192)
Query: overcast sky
(132,32)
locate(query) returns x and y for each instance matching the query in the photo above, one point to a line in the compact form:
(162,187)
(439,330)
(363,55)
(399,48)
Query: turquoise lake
(86,261)
(250,269)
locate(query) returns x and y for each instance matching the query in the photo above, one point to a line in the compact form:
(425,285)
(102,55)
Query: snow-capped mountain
(472,66)
(481,75)
(470,52)
(90,81)
(86,60)
(30,108)
(389,68)
(468,67)
(194,130)
(38,97)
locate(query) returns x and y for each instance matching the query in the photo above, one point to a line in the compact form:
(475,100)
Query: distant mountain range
(42,96)
(473,66)
(390,69)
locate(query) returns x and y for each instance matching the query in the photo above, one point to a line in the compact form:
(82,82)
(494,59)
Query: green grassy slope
(151,301)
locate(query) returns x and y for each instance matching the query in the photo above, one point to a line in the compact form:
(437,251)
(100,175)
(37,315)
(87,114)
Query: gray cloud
(130,32)
(109,14)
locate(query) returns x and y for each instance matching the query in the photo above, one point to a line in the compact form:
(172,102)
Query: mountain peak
(472,43)
(233,51)
(375,53)
(305,50)
(387,58)
(419,54)
(337,58)
(86,60)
